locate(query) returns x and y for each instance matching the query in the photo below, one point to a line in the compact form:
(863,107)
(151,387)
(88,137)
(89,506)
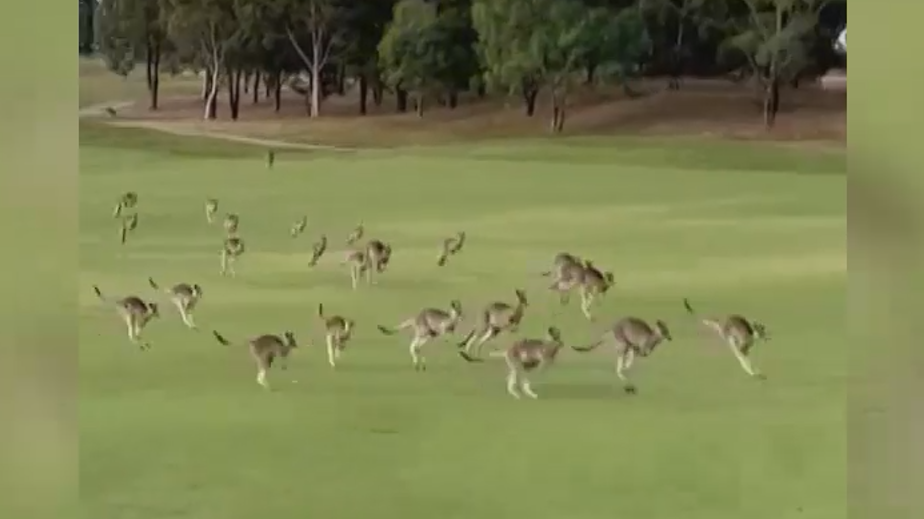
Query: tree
(208,29)
(684,16)
(130,30)
(364,24)
(774,36)
(526,45)
(317,26)
(415,52)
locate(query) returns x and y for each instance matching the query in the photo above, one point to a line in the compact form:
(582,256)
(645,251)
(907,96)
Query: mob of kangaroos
(629,336)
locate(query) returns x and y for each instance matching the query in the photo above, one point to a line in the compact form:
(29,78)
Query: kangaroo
(739,333)
(523,356)
(631,336)
(379,255)
(588,279)
(358,263)
(264,349)
(128,225)
(427,324)
(495,318)
(299,226)
(317,250)
(231,223)
(184,297)
(565,267)
(337,332)
(135,312)
(126,200)
(451,247)
(356,235)
(232,248)
(370,260)
(211,209)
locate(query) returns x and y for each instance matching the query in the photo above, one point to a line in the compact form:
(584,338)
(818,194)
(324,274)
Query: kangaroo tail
(469,358)
(321,310)
(468,337)
(588,348)
(220,338)
(99,293)
(153,284)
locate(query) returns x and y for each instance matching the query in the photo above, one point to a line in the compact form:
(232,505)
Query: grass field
(183,430)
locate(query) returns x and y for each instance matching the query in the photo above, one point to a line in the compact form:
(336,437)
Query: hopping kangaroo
(427,324)
(523,356)
(211,209)
(184,297)
(565,266)
(299,226)
(337,332)
(231,223)
(496,317)
(451,247)
(317,250)
(739,333)
(356,235)
(135,312)
(231,249)
(370,260)
(631,336)
(264,349)
(588,279)
(127,200)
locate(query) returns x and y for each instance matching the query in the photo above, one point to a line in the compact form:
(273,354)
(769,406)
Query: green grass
(184,431)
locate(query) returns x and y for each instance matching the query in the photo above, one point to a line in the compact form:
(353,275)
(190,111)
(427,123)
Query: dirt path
(99,110)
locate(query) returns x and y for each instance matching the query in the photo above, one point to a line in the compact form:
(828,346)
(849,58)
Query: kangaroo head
(290,340)
(554,334)
(456,306)
(153,310)
(196,290)
(760,331)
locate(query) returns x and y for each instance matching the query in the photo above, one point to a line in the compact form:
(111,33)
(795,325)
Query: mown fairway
(183,430)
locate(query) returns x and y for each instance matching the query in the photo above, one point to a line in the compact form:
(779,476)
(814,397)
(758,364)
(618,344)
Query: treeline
(434,51)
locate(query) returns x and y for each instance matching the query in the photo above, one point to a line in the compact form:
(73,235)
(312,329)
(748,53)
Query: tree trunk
(482,90)
(148,62)
(234,92)
(155,76)
(558,113)
(247,81)
(363,94)
(771,102)
(341,80)
(453,99)
(591,73)
(256,87)
(419,102)
(530,92)
(378,93)
(277,91)
(206,84)
(211,103)
(268,84)
(400,99)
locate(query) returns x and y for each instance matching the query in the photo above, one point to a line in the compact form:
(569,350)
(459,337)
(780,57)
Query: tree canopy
(436,50)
